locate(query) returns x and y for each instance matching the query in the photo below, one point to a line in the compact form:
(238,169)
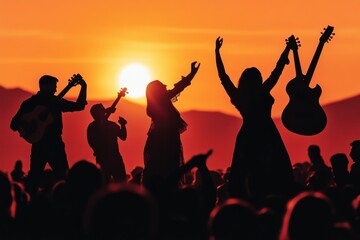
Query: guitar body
(303,114)
(34,124)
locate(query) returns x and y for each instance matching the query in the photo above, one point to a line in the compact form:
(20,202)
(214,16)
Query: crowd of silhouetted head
(324,204)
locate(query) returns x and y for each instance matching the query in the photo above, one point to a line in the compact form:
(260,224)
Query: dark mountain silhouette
(206,130)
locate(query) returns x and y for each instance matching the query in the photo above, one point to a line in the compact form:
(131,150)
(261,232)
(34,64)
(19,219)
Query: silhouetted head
(121,211)
(157,98)
(339,161)
(314,153)
(47,84)
(18,165)
(309,215)
(156,90)
(160,108)
(250,80)
(97,111)
(83,179)
(355,151)
(233,219)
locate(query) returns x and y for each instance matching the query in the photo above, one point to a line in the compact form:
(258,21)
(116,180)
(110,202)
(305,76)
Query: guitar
(121,93)
(303,114)
(34,123)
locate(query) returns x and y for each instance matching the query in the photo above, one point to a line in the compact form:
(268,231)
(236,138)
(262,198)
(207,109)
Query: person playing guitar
(102,136)
(39,121)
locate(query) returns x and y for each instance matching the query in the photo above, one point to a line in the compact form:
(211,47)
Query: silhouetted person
(309,215)
(50,148)
(355,167)
(260,164)
(163,151)
(233,219)
(82,181)
(7,208)
(17,174)
(186,208)
(320,175)
(339,163)
(120,211)
(102,136)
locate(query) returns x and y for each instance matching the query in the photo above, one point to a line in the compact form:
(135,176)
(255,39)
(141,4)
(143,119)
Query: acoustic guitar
(303,114)
(34,123)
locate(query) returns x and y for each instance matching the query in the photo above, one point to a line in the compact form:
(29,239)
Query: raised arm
(185,81)
(81,100)
(70,106)
(224,78)
(275,74)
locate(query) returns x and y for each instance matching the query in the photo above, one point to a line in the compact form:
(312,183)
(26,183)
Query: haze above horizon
(98,39)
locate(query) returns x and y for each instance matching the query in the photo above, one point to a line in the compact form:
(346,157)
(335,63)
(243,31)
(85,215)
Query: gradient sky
(98,38)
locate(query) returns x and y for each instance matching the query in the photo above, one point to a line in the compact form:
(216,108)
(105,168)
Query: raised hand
(194,68)
(219,42)
(200,159)
(81,81)
(122,121)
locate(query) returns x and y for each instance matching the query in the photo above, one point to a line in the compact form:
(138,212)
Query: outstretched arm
(185,81)
(275,74)
(225,80)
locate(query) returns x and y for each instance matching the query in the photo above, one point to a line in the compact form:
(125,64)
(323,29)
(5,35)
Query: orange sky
(98,38)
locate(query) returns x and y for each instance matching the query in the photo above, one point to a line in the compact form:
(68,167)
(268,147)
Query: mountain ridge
(206,130)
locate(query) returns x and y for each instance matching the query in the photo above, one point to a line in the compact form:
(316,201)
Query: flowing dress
(260,163)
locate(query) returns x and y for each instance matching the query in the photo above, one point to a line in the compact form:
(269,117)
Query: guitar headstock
(327,35)
(293,43)
(122,92)
(75,79)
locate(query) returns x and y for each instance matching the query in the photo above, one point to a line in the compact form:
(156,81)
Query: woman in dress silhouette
(260,164)
(163,152)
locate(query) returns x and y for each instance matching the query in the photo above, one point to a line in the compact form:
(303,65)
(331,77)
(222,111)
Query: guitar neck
(64,91)
(313,63)
(107,115)
(297,63)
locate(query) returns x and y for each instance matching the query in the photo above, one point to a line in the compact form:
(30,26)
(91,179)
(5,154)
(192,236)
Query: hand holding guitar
(33,124)
(112,108)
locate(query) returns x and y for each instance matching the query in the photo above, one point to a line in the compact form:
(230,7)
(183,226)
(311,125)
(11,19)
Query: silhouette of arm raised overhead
(82,94)
(225,80)
(275,74)
(185,81)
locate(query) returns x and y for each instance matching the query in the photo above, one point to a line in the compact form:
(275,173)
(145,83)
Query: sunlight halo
(135,77)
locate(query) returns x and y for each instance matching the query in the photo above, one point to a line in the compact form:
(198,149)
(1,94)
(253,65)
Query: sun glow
(135,78)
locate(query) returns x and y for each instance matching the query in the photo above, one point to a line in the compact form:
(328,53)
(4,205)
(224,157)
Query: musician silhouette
(102,136)
(49,146)
(260,164)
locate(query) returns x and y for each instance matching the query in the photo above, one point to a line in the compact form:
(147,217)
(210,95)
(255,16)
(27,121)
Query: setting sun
(135,78)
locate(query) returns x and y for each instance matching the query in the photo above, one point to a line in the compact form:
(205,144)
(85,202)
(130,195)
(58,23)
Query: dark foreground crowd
(324,204)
